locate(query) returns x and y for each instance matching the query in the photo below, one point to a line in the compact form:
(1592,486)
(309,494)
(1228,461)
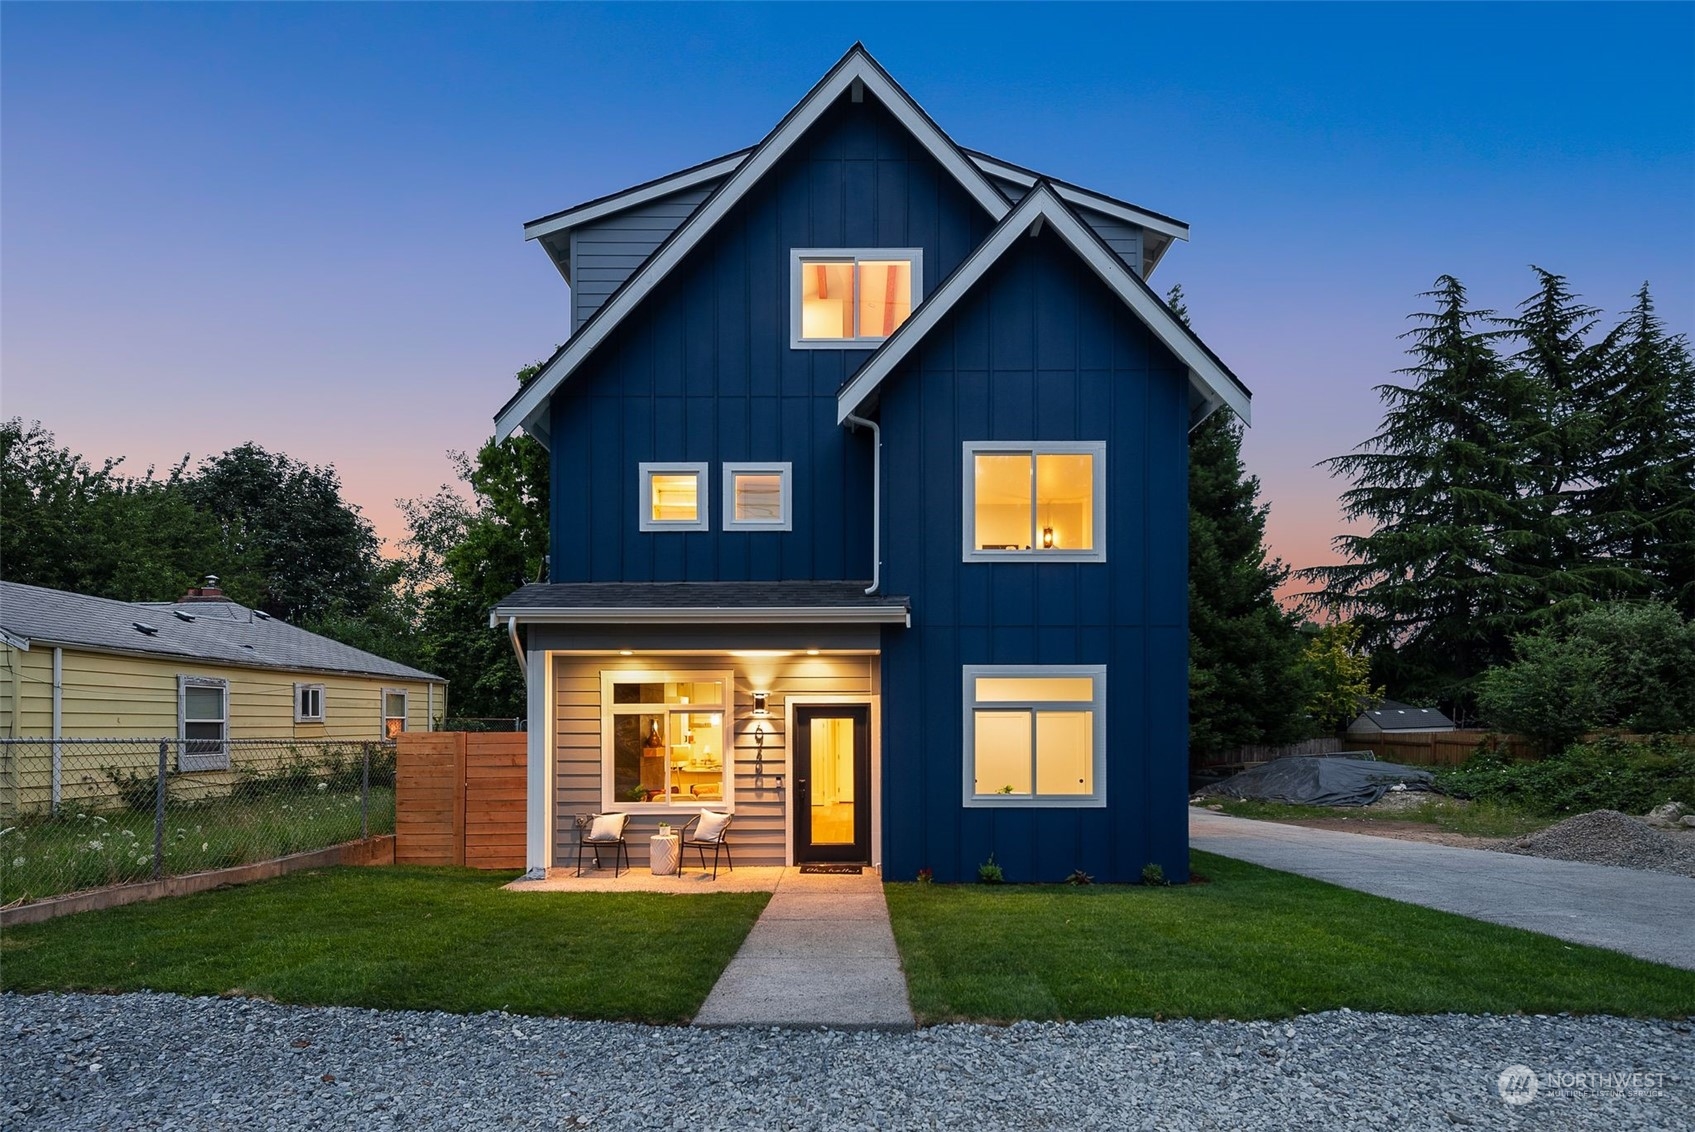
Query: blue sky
(299,224)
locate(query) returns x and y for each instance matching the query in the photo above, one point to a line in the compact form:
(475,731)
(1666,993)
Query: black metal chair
(587,840)
(718,844)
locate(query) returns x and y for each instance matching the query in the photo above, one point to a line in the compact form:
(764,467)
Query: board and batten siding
(606,252)
(703,370)
(757,836)
(1124,238)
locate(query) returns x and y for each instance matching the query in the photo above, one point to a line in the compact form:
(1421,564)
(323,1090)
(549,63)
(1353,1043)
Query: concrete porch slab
(693,882)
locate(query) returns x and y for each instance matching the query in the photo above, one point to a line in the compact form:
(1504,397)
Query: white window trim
(703,498)
(405,709)
(1097,672)
(608,780)
(968,525)
(785,472)
(299,715)
(846,255)
(201,760)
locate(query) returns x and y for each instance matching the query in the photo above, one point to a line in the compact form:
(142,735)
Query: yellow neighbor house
(203,670)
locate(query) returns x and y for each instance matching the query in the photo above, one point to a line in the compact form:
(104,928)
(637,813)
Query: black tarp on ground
(1320,782)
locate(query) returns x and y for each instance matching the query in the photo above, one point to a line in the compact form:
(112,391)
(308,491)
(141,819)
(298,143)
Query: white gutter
(58,705)
(716,615)
(876,500)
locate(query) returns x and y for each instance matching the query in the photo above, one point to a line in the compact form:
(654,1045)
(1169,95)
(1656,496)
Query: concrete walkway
(821,955)
(1639,913)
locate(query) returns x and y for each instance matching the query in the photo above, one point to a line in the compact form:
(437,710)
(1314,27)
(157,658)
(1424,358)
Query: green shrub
(989,872)
(138,790)
(1609,774)
(1153,875)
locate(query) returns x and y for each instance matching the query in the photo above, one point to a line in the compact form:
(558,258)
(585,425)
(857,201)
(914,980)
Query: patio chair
(602,831)
(706,830)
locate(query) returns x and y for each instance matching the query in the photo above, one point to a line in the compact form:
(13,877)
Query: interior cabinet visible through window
(673,497)
(1046,501)
(666,739)
(852,297)
(1035,736)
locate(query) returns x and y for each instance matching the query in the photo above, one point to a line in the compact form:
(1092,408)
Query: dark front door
(832,777)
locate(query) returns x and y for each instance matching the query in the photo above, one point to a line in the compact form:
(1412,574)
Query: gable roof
(1211,384)
(211,632)
(856,71)
(1392,715)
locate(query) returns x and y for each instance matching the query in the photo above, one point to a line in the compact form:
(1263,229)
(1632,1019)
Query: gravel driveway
(160,1061)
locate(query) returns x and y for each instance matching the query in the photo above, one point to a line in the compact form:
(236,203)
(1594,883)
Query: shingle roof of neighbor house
(214,631)
(1392,715)
(676,602)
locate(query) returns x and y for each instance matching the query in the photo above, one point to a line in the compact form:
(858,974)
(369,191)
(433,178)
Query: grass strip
(1253,943)
(400,938)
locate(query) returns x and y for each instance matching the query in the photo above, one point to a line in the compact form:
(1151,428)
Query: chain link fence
(84,813)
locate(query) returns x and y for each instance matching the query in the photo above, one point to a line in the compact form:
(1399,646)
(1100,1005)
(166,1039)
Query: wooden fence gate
(459,799)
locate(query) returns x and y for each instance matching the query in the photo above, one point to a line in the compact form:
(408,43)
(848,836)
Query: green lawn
(1474,819)
(400,938)
(1253,943)
(78,850)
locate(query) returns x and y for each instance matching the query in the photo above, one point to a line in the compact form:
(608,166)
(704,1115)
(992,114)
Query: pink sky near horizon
(202,248)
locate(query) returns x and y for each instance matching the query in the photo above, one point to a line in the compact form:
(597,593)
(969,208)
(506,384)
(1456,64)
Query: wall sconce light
(761,704)
(1047,538)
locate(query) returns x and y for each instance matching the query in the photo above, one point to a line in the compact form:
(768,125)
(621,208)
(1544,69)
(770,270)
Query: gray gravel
(160,1061)
(1607,837)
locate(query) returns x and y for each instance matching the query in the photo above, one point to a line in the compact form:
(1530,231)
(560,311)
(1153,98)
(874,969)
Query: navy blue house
(869,460)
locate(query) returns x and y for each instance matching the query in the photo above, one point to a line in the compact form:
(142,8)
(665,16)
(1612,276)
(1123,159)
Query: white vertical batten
(538,818)
(58,733)
(876,499)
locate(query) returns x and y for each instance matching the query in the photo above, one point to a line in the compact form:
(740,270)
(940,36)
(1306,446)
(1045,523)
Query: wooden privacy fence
(1438,748)
(459,799)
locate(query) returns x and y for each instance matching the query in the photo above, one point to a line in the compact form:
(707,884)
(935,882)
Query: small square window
(852,298)
(308,703)
(673,497)
(758,497)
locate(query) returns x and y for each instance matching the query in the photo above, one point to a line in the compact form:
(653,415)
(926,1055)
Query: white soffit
(1214,382)
(856,66)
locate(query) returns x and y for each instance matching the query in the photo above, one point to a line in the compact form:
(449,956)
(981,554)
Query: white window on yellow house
(673,497)
(203,723)
(394,712)
(666,740)
(308,703)
(1035,736)
(1043,501)
(852,297)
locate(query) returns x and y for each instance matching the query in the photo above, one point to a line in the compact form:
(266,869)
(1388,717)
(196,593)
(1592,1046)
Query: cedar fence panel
(1439,748)
(459,799)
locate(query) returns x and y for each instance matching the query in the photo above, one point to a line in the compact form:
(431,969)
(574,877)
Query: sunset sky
(300,224)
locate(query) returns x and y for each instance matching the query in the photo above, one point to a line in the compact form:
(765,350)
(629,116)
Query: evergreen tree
(1246,681)
(1449,571)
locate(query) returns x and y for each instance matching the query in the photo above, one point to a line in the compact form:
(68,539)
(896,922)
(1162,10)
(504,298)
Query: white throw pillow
(711,826)
(607,827)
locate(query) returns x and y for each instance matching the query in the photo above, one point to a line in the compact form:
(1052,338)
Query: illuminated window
(853,297)
(394,712)
(1035,736)
(757,497)
(1045,501)
(664,737)
(673,497)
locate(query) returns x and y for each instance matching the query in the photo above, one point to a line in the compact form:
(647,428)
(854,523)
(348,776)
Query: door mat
(832,870)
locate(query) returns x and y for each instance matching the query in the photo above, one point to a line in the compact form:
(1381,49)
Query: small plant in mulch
(990,873)
(1079,877)
(926,876)
(1153,875)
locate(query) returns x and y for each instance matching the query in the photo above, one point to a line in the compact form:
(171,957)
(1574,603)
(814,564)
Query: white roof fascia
(654,190)
(715,615)
(1217,385)
(1083,198)
(855,66)
(17,642)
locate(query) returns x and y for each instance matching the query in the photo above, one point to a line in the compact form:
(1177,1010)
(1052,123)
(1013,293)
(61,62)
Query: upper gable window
(673,497)
(1045,501)
(852,297)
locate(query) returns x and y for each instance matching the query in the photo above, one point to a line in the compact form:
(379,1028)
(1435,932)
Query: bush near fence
(107,826)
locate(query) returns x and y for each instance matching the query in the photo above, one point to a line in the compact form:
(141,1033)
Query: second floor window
(1045,501)
(673,497)
(757,497)
(852,297)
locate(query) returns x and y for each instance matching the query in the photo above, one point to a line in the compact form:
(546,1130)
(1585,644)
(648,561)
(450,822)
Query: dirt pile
(1607,837)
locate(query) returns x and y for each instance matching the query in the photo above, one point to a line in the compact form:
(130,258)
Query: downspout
(876,499)
(58,733)
(518,649)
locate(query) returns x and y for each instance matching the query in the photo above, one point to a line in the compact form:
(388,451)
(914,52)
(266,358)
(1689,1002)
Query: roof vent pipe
(876,499)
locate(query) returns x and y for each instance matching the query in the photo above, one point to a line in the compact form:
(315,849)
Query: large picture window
(1035,736)
(665,739)
(203,722)
(852,297)
(1042,501)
